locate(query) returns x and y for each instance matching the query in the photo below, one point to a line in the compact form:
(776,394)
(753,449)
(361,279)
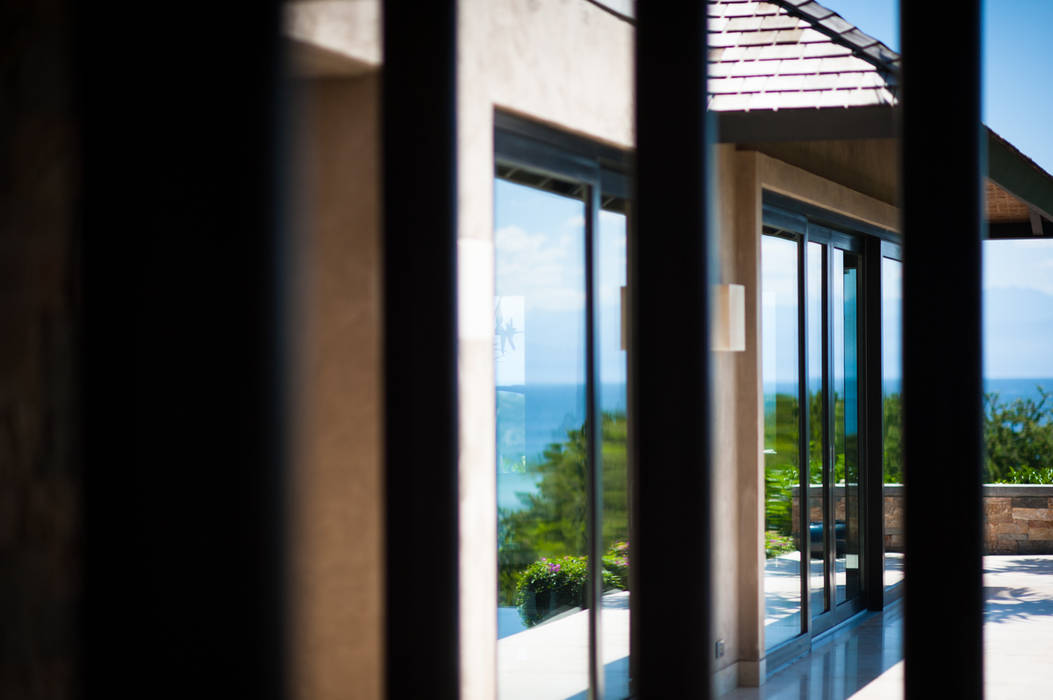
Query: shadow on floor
(615,680)
(1026,593)
(1015,604)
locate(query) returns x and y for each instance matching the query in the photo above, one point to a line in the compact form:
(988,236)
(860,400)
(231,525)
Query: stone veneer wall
(1018,518)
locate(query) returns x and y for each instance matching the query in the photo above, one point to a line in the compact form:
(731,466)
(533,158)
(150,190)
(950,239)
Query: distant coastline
(1007,388)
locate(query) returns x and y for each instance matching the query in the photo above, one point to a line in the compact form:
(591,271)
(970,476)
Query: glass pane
(781,383)
(539,352)
(611,359)
(820,601)
(892,415)
(845,378)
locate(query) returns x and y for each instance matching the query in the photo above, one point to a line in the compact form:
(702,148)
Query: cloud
(576,222)
(547,269)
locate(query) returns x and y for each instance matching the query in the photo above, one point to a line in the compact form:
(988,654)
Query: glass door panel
(612,337)
(892,416)
(539,351)
(812,302)
(781,384)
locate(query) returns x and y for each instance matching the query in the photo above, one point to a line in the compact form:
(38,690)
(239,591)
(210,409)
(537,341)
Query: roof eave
(807,124)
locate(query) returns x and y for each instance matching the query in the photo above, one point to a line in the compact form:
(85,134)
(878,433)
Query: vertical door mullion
(829,432)
(803,471)
(593,441)
(873,465)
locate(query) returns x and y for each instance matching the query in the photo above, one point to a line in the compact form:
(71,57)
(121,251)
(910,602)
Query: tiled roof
(793,54)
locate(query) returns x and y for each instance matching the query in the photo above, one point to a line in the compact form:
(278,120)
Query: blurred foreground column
(942,342)
(668,278)
(186,351)
(418,127)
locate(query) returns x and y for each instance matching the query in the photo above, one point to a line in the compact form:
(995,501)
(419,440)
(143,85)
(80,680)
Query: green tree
(552,522)
(1019,439)
(781,431)
(892,438)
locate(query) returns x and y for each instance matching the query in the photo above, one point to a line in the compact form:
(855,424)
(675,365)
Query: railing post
(942,385)
(669,283)
(419,136)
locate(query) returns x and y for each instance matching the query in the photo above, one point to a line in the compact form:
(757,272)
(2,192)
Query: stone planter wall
(1018,517)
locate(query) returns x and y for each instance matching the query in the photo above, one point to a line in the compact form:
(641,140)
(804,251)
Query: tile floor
(865,661)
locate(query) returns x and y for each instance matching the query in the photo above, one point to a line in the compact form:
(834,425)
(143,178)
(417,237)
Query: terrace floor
(782,591)
(864,661)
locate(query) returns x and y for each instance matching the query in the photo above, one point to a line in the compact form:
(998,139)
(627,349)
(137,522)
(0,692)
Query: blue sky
(1018,105)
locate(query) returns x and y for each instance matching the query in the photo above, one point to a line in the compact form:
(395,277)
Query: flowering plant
(616,561)
(552,586)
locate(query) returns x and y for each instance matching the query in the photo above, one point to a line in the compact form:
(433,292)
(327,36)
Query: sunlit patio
(865,659)
(551,659)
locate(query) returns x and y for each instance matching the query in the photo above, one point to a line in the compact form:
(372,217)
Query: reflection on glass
(892,416)
(539,351)
(612,366)
(845,388)
(819,601)
(781,382)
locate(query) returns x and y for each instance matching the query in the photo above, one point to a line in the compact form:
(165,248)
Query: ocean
(529,419)
(1015,388)
(1007,389)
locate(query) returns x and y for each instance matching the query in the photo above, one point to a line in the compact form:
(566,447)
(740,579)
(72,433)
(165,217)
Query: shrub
(1019,439)
(616,562)
(775,543)
(552,586)
(551,521)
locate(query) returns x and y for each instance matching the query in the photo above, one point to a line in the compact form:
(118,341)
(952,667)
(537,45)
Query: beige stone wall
(868,166)
(740,550)
(336,539)
(793,181)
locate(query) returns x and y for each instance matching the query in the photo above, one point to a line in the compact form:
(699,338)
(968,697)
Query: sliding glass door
(812,373)
(560,234)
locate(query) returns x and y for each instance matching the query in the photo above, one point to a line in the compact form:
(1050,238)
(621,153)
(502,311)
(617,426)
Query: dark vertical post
(873,432)
(185,279)
(670,625)
(942,388)
(420,381)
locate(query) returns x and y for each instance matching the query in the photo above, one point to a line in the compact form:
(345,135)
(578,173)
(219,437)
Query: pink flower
(553,567)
